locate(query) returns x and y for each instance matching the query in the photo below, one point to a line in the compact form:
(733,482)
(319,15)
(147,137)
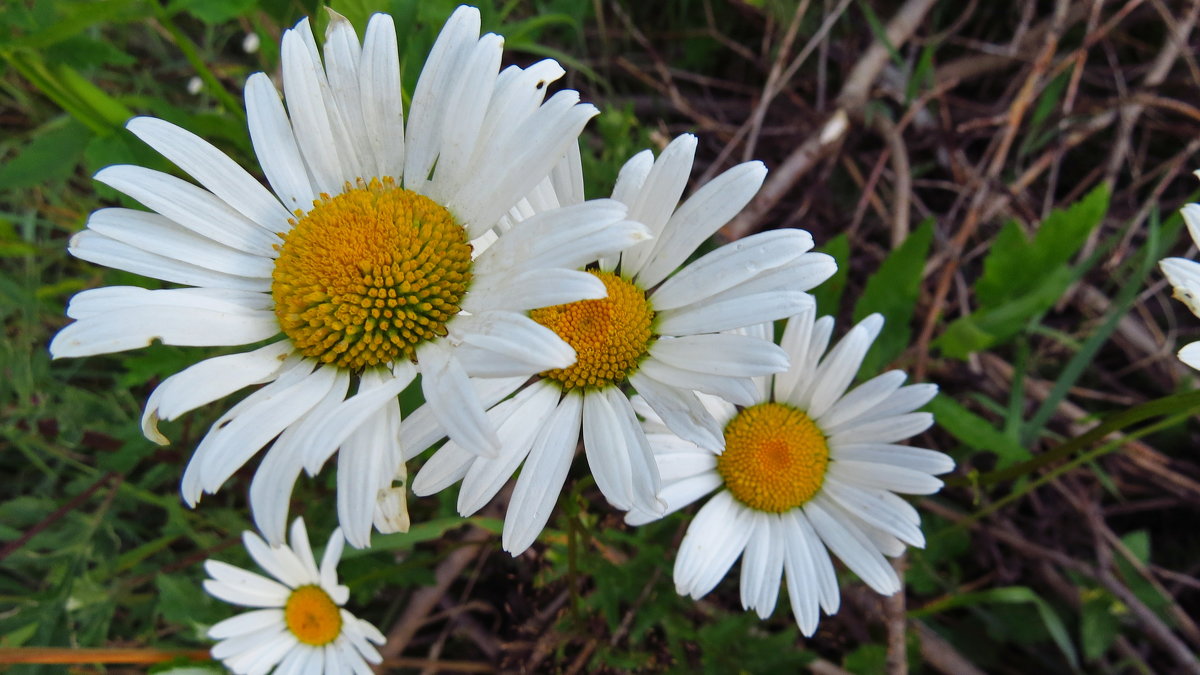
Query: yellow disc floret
(312,616)
(610,335)
(775,457)
(367,275)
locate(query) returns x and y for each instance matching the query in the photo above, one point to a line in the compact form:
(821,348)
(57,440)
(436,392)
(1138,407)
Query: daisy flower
(807,468)
(662,336)
(357,268)
(300,626)
(1184,276)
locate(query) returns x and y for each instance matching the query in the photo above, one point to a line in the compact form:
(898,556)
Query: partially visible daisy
(807,468)
(1184,276)
(300,626)
(660,333)
(355,268)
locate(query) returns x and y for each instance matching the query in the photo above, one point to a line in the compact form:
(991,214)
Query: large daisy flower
(358,270)
(663,336)
(807,468)
(1184,276)
(300,626)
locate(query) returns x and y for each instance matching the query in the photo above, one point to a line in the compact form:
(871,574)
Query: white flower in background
(661,335)
(356,268)
(807,468)
(300,625)
(1184,276)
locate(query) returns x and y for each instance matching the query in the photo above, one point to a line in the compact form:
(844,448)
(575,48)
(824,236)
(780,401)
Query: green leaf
(52,155)
(1098,624)
(893,291)
(829,294)
(212,11)
(1015,267)
(1053,624)
(976,432)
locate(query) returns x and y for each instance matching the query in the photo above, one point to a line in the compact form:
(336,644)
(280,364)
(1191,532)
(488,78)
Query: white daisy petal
(516,338)
(916,459)
(208,381)
(737,390)
(213,169)
(194,208)
(275,145)
(704,317)
(553,238)
(1190,355)
(103,250)
(886,430)
(677,495)
(533,407)
(167,317)
(604,445)
(698,218)
(803,593)
(886,477)
(864,397)
(725,354)
(257,641)
(280,561)
(680,410)
(874,510)
(420,430)
(659,194)
(246,623)
(253,586)
(248,426)
(837,370)
(466,105)
(822,567)
(316,127)
(716,537)
(731,265)
(428,110)
(646,482)
(762,564)
(446,467)
(331,430)
(531,289)
(381,102)
(458,409)
(543,476)
(851,546)
(160,236)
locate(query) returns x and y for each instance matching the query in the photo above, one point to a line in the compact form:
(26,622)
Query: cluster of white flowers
(455,244)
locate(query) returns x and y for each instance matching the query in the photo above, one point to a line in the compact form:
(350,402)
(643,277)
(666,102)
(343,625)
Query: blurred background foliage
(1040,155)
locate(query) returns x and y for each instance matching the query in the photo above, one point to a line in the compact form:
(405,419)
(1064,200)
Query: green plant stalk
(1084,357)
(70,91)
(1186,404)
(1084,458)
(188,48)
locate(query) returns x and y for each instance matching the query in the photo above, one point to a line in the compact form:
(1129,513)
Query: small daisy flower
(1184,276)
(359,268)
(662,336)
(300,626)
(807,468)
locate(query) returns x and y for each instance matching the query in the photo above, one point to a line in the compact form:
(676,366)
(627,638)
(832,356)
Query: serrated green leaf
(1015,266)
(893,291)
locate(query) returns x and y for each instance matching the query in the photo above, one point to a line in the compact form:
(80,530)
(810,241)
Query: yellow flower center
(366,276)
(312,616)
(775,457)
(610,335)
